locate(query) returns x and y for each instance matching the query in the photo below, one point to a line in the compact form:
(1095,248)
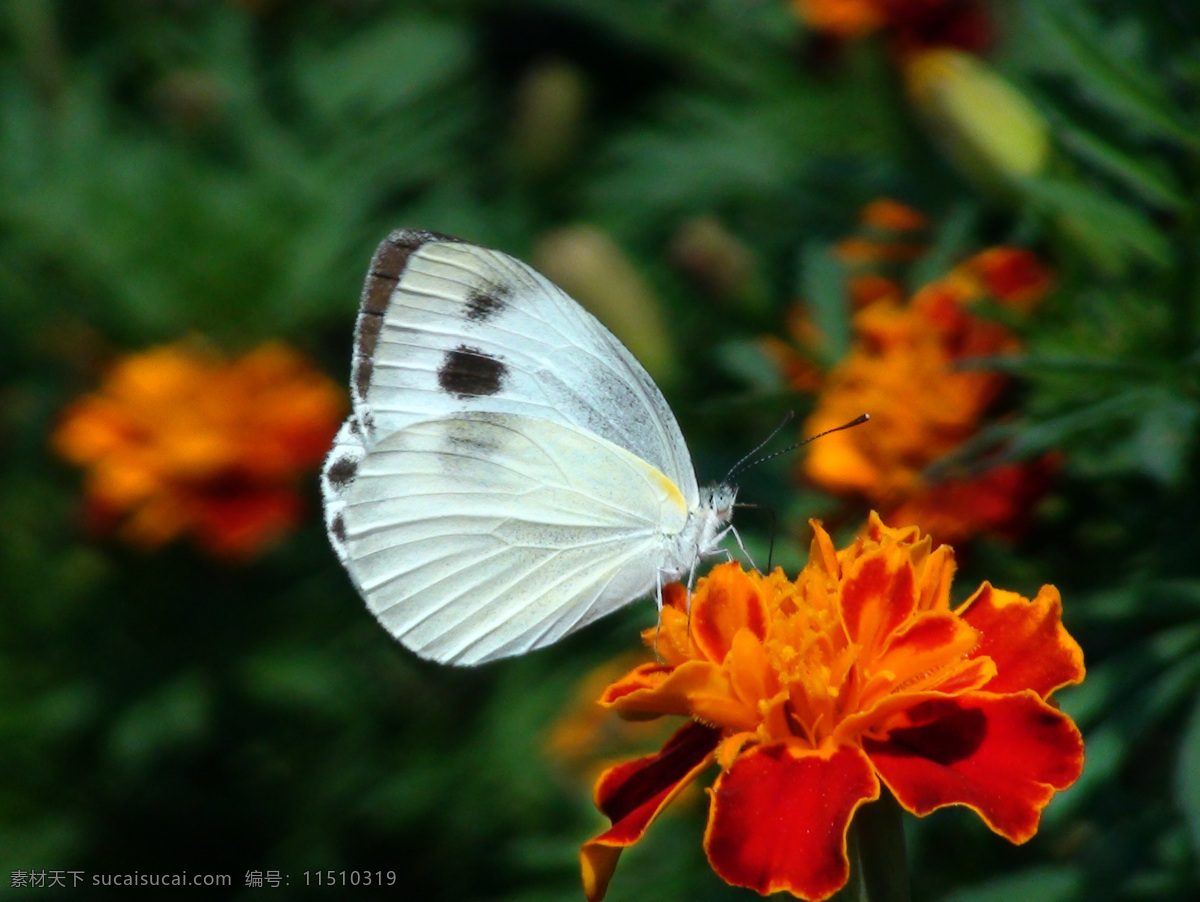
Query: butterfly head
(718,498)
(713,516)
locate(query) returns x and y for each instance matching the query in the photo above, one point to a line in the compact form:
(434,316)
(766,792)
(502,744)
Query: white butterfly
(509,472)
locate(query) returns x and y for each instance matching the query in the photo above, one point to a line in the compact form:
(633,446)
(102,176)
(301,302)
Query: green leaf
(174,715)
(823,288)
(1165,435)
(1070,41)
(1045,884)
(1140,175)
(1147,429)
(878,860)
(1111,233)
(1187,775)
(387,66)
(745,359)
(954,238)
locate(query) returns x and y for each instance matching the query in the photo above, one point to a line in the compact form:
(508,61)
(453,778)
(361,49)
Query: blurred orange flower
(888,232)
(586,738)
(910,23)
(809,694)
(905,369)
(889,235)
(179,440)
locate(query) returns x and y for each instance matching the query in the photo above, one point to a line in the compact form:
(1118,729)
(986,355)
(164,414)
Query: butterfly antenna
(738,467)
(742,465)
(857,421)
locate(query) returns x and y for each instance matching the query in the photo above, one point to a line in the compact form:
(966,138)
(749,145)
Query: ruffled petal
(632,794)
(671,639)
(779,818)
(930,652)
(696,688)
(644,677)
(751,676)
(1002,755)
(724,603)
(1025,638)
(877,596)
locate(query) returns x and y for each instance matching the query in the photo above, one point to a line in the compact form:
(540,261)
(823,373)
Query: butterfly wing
(447,327)
(483,535)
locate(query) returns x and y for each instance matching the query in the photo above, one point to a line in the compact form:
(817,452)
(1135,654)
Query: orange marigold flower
(910,23)
(178,440)
(905,369)
(810,693)
(997,501)
(843,18)
(888,232)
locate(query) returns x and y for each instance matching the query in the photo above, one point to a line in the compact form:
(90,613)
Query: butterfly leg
(658,601)
(737,536)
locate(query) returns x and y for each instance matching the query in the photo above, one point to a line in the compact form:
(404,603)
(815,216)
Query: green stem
(878,861)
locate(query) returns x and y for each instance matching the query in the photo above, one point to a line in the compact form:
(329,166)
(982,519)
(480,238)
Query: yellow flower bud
(587,264)
(985,126)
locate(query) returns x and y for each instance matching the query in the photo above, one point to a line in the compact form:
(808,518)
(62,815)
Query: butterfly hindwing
(483,535)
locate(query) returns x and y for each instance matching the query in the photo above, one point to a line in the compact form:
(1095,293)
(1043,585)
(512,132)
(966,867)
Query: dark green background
(173,168)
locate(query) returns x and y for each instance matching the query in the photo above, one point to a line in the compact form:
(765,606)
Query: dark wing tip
(388,263)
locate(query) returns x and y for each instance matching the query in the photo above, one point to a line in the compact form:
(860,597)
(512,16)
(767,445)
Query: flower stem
(878,860)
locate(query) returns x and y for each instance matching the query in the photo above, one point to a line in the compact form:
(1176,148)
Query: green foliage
(225,169)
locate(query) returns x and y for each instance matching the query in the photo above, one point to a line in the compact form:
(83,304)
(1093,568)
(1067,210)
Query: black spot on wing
(342,472)
(482,305)
(469,373)
(338,529)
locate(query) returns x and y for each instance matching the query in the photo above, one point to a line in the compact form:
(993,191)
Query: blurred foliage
(174,167)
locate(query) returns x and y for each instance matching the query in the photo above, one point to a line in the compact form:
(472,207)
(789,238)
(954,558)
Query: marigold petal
(934,580)
(693,689)
(178,439)
(779,818)
(750,674)
(878,595)
(838,464)
(1025,638)
(632,794)
(891,215)
(724,712)
(1013,275)
(1004,756)
(844,18)
(821,553)
(726,601)
(90,429)
(645,676)
(731,747)
(672,692)
(929,650)
(671,639)
(242,523)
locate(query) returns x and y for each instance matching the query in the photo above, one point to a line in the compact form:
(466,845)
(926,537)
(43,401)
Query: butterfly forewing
(470,329)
